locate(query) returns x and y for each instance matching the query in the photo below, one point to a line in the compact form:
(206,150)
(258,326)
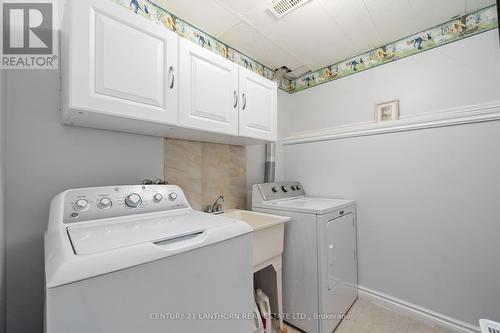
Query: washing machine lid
(318,206)
(157,229)
(99,247)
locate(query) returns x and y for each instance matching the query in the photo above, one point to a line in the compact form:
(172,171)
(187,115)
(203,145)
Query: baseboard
(415,311)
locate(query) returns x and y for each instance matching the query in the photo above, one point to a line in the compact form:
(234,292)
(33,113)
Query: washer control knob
(284,188)
(294,187)
(157,197)
(172,196)
(275,189)
(299,187)
(81,204)
(104,203)
(133,200)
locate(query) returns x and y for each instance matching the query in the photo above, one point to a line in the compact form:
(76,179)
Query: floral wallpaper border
(155,13)
(462,27)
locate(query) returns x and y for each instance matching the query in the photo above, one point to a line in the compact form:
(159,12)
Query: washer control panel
(280,190)
(112,201)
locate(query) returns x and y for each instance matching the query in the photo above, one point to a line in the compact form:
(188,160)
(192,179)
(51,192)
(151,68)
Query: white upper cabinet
(258,106)
(116,63)
(208,95)
(123,72)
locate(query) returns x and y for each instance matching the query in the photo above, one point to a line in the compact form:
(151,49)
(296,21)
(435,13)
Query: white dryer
(134,259)
(319,258)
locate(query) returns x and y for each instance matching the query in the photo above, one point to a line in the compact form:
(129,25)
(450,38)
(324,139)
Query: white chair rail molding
(450,117)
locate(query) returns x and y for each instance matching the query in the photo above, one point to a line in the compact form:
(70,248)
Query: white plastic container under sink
(265,309)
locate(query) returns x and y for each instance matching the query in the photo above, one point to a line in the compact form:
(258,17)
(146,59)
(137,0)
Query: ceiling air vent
(284,7)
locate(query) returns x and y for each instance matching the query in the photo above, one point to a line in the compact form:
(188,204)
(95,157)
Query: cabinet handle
(235,99)
(171,73)
(244,97)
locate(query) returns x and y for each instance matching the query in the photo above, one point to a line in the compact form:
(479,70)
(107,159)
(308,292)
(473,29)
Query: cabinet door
(258,106)
(120,64)
(208,97)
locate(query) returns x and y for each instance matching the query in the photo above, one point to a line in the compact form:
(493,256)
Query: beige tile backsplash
(206,170)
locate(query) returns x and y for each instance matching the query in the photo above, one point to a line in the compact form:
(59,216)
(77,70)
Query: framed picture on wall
(387,111)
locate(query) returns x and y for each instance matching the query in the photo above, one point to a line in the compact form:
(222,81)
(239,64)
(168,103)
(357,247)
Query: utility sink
(268,235)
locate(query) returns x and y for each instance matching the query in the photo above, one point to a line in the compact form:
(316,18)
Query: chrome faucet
(216,206)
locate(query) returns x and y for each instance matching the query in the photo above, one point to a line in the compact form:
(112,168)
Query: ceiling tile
(298,72)
(256,45)
(473,5)
(393,19)
(355,21)
(240,7)
(329,54)
(309,34)
(208,15)
(427,14)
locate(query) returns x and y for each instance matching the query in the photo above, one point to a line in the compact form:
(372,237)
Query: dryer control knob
(172,196)
(81,204)
(274,189)
(133,200)
(284,188)
(157,197)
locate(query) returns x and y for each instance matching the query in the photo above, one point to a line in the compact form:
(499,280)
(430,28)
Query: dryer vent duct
(283,7)
(280,73)
(270,165)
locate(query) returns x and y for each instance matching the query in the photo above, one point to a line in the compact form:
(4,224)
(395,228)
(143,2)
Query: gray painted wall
(2,202)
(43,159)
(427,200)
(427,212)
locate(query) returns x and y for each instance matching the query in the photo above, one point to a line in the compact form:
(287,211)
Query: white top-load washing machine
(319,258)
(128,259)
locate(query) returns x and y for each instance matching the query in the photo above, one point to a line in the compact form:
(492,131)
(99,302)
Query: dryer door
(338,271)
(341,247)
